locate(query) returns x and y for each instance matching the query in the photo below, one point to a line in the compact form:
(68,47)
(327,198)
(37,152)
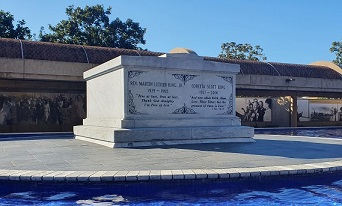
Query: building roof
(14,48)
(282,69)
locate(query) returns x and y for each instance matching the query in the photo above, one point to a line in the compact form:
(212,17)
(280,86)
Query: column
(294,108)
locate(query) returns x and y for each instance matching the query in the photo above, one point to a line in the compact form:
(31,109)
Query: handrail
(273,68)
(85,54)
(22,49)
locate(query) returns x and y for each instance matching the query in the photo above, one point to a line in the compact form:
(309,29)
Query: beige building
(42,86)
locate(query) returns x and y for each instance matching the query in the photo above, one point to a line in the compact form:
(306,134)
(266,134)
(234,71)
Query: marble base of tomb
(137,137)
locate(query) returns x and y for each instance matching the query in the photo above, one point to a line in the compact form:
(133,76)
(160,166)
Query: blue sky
(289,31)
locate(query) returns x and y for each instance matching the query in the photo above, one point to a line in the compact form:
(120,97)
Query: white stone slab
(16,176)
(166,174)
(108,176)
(233,173)
(177,174)
(200,174)
(73,176)
(6,174)
(212,174)
(84,177)
(181,63)
(37,176)
(120,176)
(174,99)
(269,171)
(132,176)
(27,176)
(62,176)
(144,175)
(155,175)
(50,176)
(96,177)
(222,173)
(189,174)
(137,137)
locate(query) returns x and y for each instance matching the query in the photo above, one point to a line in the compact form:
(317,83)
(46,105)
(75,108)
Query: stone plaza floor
(64,159)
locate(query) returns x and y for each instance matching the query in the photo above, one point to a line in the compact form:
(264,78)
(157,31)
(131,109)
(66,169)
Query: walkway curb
(168,175)
(32,135)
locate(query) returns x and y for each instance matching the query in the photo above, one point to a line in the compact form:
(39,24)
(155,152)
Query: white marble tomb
(176,98)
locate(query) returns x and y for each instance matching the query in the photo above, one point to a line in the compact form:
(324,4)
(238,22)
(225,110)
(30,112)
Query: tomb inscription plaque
(161,93)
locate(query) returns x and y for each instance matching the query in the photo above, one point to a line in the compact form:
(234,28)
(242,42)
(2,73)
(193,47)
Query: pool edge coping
(168,175)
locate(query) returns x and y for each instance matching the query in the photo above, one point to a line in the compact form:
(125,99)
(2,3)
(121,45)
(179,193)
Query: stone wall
(42,69)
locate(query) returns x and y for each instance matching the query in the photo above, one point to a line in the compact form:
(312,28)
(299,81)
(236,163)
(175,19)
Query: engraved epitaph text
(161,93)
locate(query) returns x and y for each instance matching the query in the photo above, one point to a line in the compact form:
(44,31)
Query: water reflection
(330,133)
(313,190)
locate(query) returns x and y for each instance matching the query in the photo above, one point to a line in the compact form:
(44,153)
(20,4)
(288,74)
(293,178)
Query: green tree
(91,26)
(232,50)
(8,30)
(337,49)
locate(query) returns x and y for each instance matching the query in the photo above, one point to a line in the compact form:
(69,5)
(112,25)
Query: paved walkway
(67,159)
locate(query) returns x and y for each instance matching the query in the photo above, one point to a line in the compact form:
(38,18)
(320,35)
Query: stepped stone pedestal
(171,99)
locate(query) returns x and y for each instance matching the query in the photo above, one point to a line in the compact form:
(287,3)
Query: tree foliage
(91,26)
(337,49)
(232,50)
(8,30)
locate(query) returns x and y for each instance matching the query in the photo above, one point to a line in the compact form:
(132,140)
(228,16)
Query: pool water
(298,190)
(310,132)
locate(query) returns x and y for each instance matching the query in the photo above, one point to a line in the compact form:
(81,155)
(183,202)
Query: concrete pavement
(67,159)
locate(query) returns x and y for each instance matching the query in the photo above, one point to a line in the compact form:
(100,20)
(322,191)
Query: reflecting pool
(297,190)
